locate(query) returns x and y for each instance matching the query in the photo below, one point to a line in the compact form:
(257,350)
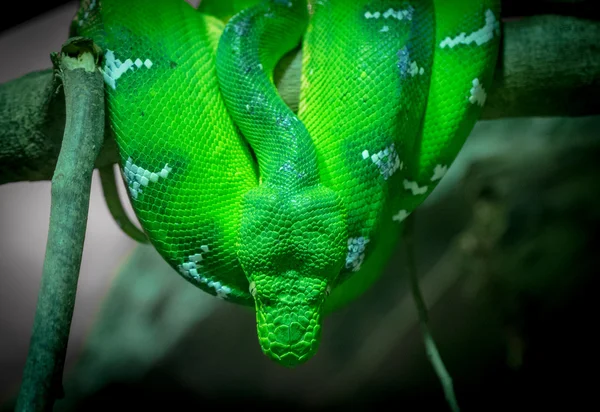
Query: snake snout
(287,337)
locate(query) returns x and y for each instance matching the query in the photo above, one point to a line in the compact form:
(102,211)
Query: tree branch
(71,182)
(549,66)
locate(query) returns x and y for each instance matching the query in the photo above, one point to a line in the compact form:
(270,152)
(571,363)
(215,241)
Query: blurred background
(506,248)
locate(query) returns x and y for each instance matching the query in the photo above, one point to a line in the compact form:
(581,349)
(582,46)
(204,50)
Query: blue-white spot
(356,253)
(387,160)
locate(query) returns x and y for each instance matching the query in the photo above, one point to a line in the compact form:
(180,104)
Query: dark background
(516,335)
(21,12)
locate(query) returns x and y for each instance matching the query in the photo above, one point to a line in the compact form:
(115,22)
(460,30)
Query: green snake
(295,214)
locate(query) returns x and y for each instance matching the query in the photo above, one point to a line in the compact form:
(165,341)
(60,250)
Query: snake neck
(283,146)
(250,47)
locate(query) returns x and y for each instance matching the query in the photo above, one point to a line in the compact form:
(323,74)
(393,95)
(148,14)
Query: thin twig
(84,132)
(430,346)
(113,201)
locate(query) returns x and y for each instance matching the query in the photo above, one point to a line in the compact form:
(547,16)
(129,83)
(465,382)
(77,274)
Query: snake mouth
(289,335)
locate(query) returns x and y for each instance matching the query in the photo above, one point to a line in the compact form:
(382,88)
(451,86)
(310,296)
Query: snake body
(294,214)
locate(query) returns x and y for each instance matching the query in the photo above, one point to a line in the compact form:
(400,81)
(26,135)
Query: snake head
(292,248)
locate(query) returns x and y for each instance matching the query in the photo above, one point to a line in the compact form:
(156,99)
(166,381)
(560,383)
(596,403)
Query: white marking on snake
(191,268)
(414,187)
(138,177)
(115,68)
(400,14)
(387,160)
(196,258)
(438,172)
(356,252)
(395,14)
(479,37)
(415,69)
(400,216)
(222,290)
(406,66)
(478,94)
(384,29)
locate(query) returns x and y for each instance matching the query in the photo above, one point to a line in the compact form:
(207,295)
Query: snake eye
(252,289)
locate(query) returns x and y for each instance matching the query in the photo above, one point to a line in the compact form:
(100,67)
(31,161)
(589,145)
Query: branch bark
(71,183)
(549,66)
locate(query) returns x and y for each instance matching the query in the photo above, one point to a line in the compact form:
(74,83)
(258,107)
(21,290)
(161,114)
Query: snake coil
(293,213)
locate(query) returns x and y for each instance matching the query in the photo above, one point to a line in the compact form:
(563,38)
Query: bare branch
(71,183)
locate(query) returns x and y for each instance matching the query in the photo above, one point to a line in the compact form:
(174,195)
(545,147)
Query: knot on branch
(77,53)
